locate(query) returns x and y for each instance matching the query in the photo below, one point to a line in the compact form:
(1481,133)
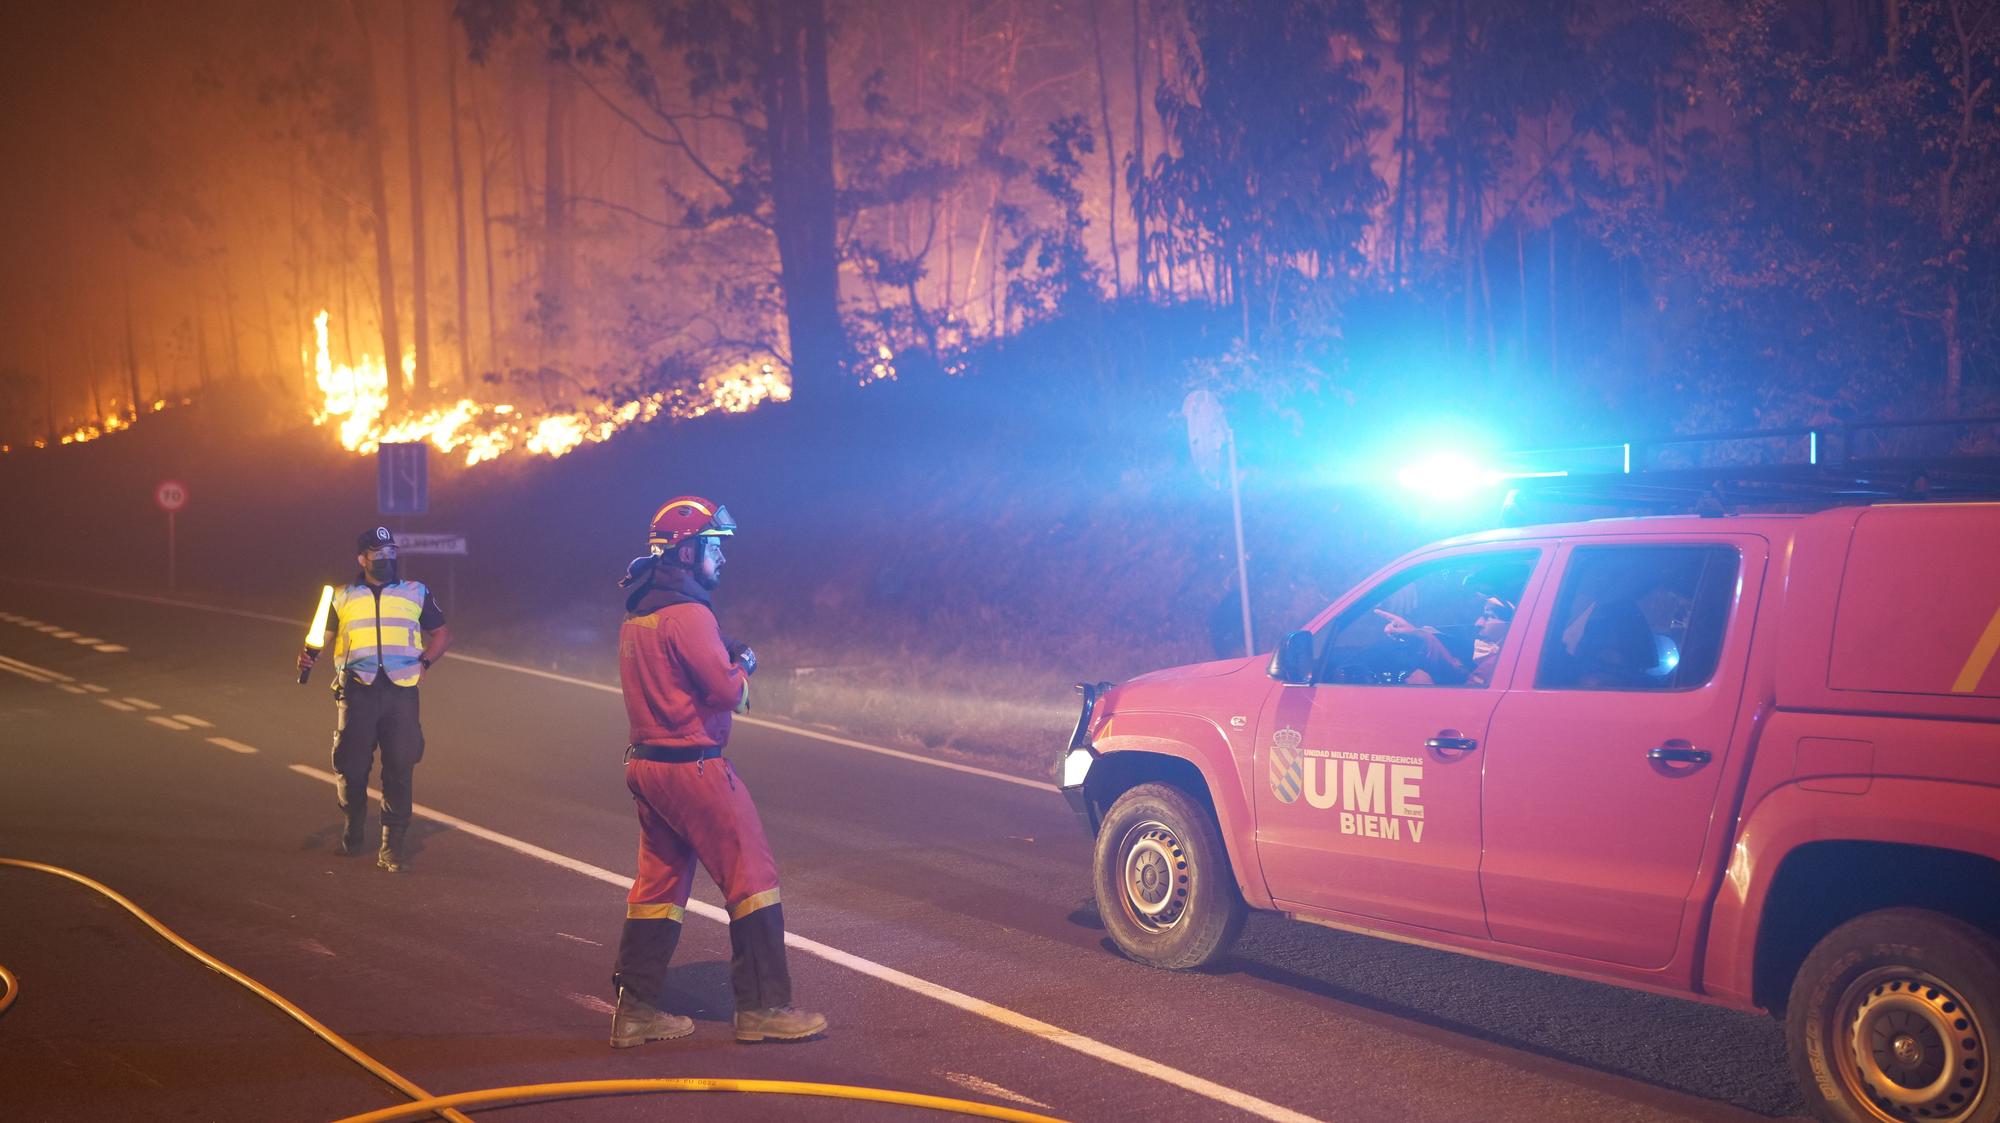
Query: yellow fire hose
(390,1076)
(424,1104)
(528,1092)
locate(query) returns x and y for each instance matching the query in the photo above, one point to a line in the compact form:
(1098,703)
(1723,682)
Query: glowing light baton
(316,635)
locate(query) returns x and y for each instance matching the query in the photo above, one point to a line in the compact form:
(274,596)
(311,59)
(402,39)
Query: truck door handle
(1678,754)
(1451,744)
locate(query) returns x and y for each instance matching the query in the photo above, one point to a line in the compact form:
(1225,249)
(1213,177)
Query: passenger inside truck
(1639,618)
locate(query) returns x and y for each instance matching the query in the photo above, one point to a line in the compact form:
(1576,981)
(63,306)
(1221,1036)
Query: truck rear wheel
(1892,1018)
(1164,888)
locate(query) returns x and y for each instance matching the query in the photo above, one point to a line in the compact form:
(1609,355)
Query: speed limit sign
(171,495)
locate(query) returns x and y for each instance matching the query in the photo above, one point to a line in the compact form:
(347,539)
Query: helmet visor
(720,524)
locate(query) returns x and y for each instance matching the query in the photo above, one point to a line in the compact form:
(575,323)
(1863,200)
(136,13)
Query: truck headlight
(1076,766)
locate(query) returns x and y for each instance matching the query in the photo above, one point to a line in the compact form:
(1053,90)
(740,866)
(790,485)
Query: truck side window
(1436,623)
(1639,618)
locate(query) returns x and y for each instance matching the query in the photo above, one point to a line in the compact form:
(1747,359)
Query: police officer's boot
(352,835)
(393,857)
(637,1021)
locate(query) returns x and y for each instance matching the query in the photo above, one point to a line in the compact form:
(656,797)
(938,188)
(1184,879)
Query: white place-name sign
(453,544)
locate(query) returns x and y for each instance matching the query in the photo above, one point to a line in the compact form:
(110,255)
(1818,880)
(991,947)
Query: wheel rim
(1154,876)
(1909,1047)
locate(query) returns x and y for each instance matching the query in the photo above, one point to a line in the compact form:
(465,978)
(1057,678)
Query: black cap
(374,539)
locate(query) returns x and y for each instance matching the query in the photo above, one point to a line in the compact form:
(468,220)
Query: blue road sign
(402,479)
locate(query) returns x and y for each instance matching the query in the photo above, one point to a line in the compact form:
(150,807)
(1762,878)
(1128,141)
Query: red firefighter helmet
(688,516)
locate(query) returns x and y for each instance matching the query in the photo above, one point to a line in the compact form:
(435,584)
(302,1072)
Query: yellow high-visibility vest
(374,639)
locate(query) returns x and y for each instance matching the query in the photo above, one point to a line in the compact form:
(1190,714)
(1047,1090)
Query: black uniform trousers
(371,714)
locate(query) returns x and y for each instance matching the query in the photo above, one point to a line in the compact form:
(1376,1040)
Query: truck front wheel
(1163,883)
(1892,1018)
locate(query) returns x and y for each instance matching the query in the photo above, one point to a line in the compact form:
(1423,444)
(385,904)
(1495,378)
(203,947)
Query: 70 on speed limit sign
(171,495)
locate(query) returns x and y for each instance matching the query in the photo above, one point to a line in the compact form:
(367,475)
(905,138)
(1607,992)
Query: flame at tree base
(355,399)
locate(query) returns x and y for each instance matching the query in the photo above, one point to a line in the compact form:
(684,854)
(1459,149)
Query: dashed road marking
(232,746)
(141,703)
(111,648)
(1034,1027)
(72,688)
(25,673)
(87,641)
(117,705)
(190,719)
(63,634)
(168,722)
(988,1088)
(579,939)
(96,689)
(591,1002)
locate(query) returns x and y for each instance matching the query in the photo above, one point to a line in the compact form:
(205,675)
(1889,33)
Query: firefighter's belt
(666,754)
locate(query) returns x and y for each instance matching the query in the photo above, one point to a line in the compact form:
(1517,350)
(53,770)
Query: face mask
(382,571)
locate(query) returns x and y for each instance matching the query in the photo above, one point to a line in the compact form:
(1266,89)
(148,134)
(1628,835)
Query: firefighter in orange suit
(682,682)
(391,631)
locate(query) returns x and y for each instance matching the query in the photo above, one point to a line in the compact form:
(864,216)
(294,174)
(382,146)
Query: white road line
(112,648)
(25,673)
(48,627)
(117,705)
(72,688)
(46,672)
(141,703)
(190,719)
(63,634)
(795,730)
(1054,1035)
(87,641)
(168,722)
(232,746)
(27,623)
(96,689)
(579,939)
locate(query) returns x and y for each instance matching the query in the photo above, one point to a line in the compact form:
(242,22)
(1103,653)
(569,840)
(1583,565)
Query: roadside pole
(171,496)
(1242,564)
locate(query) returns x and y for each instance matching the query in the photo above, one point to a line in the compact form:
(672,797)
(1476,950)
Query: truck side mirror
(1293,663)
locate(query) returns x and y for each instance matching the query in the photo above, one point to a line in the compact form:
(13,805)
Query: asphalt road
(952,942)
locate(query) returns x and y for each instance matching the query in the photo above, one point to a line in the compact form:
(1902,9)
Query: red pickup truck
(1749,760)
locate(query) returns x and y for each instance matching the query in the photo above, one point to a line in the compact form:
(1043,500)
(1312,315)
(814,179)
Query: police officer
(391,631)
(682,682)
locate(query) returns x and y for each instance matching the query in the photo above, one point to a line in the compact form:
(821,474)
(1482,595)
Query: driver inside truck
(1438,664)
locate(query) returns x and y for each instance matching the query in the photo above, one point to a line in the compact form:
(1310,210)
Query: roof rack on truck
(1916,460)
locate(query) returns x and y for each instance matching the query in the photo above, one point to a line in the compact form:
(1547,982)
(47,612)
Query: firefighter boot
(763,981)
(637,1021)
(393,856)
(779,1023)
(353,832)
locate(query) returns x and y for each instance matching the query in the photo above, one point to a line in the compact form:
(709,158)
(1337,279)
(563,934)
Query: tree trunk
(420,279)
(1140,261)
(465,369)
(486,246)
(1406,53)
(378,197)
(1555,371)
(555,214)
(798,115)
(1110,146)
(228,321)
